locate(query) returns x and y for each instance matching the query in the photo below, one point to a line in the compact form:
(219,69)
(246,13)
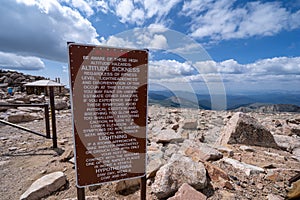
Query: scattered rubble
(191,154)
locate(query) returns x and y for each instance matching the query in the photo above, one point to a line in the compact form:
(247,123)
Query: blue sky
(239,46)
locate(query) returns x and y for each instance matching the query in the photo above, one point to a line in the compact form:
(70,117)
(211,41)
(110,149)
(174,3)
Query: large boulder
(179,170)
(23,117)
(21,98)
(60,104)
(243,129)
(45,186)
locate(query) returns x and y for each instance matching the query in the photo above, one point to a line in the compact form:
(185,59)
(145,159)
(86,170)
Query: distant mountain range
(265,102)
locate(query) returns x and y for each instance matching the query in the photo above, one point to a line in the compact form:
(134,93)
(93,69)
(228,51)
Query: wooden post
(47,121)
(53,120)
(80,194)
(143,187)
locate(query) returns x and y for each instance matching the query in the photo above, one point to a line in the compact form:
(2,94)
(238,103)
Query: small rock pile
(15,79)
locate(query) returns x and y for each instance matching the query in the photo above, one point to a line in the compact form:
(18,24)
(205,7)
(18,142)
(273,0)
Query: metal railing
(47,121)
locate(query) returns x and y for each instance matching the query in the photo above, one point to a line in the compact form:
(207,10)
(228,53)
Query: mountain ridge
(270,102)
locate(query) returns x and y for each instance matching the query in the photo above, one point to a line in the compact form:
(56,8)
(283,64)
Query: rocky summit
(191,154)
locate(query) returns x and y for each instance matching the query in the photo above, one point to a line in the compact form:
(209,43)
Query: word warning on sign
(109,105)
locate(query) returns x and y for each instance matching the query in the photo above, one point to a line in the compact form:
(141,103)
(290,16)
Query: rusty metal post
(80,194)
(47,120)
(53,120)
(143,187)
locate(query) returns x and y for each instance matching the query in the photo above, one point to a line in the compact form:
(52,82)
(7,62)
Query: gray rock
(44,186)
(60,105)
(287,142)
(201,151)
(296,153)
(3,108)
(30,109)
(247,148)
(168,136)
(248,169)
(212,135)
(190,124)
(154,162)
(21,98)
(170,149)
(225,150)
(179,170)
(127,184)
(243,129)
(23,117)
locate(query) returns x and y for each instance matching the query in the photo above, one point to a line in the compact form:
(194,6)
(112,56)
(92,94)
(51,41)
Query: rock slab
(44,186)
(248,169)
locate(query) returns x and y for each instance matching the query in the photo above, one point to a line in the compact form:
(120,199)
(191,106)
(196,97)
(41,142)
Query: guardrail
(47,121)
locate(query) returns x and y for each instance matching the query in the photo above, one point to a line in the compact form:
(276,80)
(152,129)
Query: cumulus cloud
(83,6)
(270,66)
(276,66)
(42,28)
(16,62)
(138,11)
(223,20)
(118,42)
(139,38)
(274,70)
(169,69)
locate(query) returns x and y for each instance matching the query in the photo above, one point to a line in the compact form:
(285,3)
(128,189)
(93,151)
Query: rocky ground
(213,154)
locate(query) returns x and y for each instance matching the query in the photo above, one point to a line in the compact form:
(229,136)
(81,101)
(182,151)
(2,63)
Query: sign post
(109,107)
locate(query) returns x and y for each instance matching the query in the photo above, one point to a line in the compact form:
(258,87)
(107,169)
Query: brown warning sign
(109,105)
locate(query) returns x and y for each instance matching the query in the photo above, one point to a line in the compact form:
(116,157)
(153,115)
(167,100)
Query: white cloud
(263,19)
(139,38)
(157,28)
(118,42)
(294,21)
(158,42)
(42,28)
(138,11)
(13,61)
(124,9)
(100,5)
(138,16)
(169,69)
(267,71)
(271,66)
(83,6)
(275,66)
(159,8)
(223,19)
